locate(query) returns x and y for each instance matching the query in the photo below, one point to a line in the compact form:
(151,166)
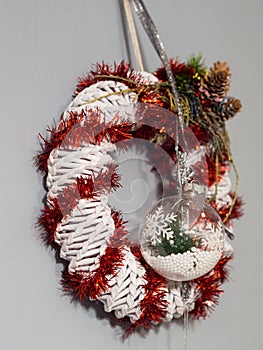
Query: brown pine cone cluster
(216,82)
(228,108)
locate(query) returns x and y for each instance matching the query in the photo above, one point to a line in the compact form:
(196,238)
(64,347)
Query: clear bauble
(182,238)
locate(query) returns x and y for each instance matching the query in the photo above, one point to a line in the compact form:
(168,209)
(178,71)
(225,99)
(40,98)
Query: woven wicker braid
(126,289)
(85,234)
(82,235)
(114,102)
(64,166)
(176,307)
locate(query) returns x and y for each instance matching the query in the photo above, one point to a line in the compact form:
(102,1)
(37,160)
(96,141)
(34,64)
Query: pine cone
(216,82)
(228,108)
(220,67)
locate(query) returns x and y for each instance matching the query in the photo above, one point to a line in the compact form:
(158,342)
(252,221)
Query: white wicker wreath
(84,234)
(80,173)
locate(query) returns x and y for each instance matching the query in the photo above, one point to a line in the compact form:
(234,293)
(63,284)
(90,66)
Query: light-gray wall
(45,45)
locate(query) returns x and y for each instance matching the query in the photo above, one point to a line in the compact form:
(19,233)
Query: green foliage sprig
(180,242)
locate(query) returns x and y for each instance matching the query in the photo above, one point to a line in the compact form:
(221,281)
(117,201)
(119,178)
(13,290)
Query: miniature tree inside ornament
(181,237)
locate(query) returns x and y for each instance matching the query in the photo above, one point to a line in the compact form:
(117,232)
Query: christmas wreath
(80,173)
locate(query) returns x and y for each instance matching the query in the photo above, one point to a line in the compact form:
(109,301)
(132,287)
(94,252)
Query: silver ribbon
(154,36)
(155,39)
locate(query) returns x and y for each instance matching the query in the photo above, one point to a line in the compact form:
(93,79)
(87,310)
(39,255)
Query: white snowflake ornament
(181,240)
(157,225)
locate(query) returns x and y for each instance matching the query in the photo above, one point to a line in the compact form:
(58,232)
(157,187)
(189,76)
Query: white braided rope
(65,165)
(176,307)
(84,234)
(107,96)
(126,289)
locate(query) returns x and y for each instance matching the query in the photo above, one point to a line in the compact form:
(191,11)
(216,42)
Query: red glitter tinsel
(86,127)
(177,68)
(83,188)
(83,286)
(236,212)
(153,304)
(57,135)
(87,188)
(51,216)
(208,287)
(200,133)
(119,239)
(100,72)
(213,173)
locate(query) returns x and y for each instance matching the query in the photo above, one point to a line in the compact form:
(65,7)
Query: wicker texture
(65,165)
(84,234)
(176,307)
(126,291)
(107,97)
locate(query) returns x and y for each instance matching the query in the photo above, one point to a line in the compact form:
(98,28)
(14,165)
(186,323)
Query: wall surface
(45,45)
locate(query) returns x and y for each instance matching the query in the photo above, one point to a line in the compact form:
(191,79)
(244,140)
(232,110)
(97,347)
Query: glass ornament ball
(180,240)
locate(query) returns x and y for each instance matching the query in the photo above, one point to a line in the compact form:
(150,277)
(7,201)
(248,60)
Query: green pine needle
(180,242)
(197,62)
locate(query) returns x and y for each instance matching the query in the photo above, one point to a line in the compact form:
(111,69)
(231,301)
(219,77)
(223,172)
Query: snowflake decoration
(157,225)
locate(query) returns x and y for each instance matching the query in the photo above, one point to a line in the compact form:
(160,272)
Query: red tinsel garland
(101,72)
(51,216)
(82,286)
(153,304)
(83,188)
(88,127)
(88,188)
(177,67)
(208,287)
(236,212)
